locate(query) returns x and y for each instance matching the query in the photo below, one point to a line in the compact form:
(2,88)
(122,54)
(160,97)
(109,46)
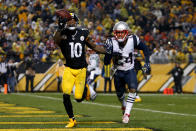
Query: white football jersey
(93,66)
(123,57)
(93,61)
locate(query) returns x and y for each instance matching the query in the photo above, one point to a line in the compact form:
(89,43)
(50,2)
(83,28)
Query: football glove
(113,71)
(63,16)
(147,68)
(108,46)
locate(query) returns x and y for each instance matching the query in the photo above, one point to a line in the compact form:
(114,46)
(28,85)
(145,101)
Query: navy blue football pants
(121,78)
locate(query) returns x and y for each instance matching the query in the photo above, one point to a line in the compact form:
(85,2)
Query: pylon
(165,91)
(5,88)
(171,92)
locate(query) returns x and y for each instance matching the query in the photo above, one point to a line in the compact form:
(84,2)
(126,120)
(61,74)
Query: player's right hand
(63,16)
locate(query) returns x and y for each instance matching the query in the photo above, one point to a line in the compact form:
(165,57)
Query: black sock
(68,105)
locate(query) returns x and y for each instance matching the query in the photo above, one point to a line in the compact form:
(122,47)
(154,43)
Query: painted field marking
(6,105)
(55,122)
(113,106)
(22,108)
(80,129)
(34,112)
(22,116)
(12,108)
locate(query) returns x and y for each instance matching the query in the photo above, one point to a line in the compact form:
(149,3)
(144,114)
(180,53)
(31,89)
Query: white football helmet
(121,31)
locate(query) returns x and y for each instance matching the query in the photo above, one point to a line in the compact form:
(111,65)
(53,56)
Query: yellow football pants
(73,77)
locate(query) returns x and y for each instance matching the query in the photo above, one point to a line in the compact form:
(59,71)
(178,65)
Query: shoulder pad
(113,38)
(85,31)
(130,36)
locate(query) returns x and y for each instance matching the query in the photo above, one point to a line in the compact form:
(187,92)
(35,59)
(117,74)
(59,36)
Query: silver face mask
(121,30)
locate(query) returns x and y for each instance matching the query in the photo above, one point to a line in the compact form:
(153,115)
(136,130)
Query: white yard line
(146,94)
(140,94)
(107,105)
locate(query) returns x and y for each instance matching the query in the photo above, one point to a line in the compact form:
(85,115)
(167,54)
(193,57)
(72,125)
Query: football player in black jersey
(72,41)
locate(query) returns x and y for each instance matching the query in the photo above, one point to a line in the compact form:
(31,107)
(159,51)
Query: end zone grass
(45,111)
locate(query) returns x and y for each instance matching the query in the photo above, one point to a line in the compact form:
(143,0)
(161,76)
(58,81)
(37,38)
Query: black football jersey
(73,47)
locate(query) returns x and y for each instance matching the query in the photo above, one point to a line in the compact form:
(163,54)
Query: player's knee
(79,100)
(132,90)
(78,96)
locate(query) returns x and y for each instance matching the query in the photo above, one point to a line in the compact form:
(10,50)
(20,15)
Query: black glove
(61,23)
(147,68)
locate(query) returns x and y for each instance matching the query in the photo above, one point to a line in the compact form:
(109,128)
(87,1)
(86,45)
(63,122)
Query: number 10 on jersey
(76,49)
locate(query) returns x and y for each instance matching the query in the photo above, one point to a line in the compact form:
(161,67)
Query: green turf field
(45,112)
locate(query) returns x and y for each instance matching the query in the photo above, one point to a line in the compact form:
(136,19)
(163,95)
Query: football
(63,13)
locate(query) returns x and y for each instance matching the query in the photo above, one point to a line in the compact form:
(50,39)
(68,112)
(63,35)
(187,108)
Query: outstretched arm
(57,37)
(97,48)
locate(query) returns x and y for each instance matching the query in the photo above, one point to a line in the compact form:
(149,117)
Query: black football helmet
(64,22)
(72,25)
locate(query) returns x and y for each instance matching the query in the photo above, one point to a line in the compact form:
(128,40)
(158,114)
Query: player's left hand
(147,68)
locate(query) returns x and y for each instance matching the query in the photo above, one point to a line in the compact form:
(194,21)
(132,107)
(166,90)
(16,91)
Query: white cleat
(93,96)
(125,118)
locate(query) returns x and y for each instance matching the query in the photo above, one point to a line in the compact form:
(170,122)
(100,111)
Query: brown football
(63,13)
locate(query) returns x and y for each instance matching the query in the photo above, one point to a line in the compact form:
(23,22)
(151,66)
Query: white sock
(92,91)
(124,103)
(130,101)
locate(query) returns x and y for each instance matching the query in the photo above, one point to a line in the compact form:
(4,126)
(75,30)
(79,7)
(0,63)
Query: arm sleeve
(86,32)
(107,59)
(144,48)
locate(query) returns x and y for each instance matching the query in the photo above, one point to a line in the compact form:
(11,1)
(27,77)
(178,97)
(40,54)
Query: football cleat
(72,123)
(93,97)
(125,118)
(138,99)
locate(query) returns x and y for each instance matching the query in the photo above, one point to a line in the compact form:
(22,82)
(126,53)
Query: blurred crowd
(167,26)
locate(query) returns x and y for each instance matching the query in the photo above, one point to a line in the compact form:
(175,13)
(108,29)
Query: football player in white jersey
(93,71)
(120,48)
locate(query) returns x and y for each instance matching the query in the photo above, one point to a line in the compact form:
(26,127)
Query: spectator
(3,71)
(29,72)
(12,74)
(35,20)
(177,73)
